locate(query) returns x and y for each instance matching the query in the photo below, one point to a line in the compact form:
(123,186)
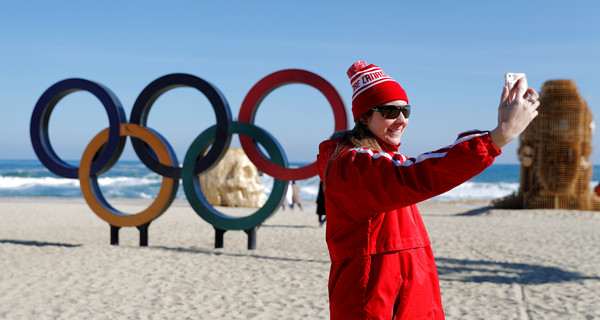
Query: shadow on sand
(40,244)
(503,272)
(475,212)
(241,255)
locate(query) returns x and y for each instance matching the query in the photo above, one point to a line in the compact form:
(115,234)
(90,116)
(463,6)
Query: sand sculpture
(233,182)
(554,152)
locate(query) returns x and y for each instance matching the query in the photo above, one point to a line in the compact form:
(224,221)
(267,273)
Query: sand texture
(57,263)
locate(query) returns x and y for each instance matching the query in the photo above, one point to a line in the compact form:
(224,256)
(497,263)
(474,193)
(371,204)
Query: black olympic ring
(156,153)
(141,109)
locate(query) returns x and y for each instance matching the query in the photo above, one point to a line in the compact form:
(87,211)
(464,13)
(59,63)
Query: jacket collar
(387,147)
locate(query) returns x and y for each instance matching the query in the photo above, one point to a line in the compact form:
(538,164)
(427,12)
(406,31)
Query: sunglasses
(392,111)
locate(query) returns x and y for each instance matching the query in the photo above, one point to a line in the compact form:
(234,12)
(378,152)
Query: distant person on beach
(382,265)
(321,205)
(287,199)
(295,196)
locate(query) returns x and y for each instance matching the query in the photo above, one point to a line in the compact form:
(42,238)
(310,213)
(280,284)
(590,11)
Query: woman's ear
(364,119)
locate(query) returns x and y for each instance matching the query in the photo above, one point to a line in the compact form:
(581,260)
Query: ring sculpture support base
(114,234)
(251,232)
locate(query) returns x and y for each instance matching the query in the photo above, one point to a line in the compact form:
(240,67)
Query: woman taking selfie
(382,263)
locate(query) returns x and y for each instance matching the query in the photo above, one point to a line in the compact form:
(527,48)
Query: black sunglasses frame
(392,111)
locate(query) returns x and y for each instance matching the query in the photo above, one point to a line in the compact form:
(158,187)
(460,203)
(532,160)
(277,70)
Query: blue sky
(450,56)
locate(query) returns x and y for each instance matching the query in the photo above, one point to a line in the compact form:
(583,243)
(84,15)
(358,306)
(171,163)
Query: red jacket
(371,196)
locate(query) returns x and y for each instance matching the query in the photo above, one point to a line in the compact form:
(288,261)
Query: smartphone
(510,79)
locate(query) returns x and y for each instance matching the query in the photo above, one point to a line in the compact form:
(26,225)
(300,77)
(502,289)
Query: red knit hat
(371,87)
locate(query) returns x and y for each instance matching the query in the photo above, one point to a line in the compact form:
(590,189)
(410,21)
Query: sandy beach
(57,263)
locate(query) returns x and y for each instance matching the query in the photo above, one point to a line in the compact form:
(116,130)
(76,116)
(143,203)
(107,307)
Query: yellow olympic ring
(100,206)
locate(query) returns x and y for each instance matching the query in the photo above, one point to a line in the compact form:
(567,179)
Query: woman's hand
(515,116)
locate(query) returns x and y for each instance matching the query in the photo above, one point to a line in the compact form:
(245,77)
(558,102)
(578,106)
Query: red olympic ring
(260,91)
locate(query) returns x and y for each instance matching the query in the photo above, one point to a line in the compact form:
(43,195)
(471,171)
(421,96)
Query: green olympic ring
(193,192)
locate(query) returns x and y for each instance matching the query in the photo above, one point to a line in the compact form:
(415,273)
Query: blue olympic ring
(41,115)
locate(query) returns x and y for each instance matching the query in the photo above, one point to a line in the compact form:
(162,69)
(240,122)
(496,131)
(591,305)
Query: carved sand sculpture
(233,182)
(554,153)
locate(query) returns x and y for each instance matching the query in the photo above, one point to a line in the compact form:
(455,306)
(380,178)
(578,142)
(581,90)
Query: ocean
(131,179)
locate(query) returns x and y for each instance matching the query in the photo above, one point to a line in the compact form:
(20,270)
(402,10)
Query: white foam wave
(26,182)
(126,181)
(144,195)
(479,191)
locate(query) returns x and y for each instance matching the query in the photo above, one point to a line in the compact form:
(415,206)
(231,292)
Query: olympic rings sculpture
(157,154)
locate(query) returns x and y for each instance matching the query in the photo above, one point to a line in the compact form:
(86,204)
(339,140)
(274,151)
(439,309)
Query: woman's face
(388,130)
